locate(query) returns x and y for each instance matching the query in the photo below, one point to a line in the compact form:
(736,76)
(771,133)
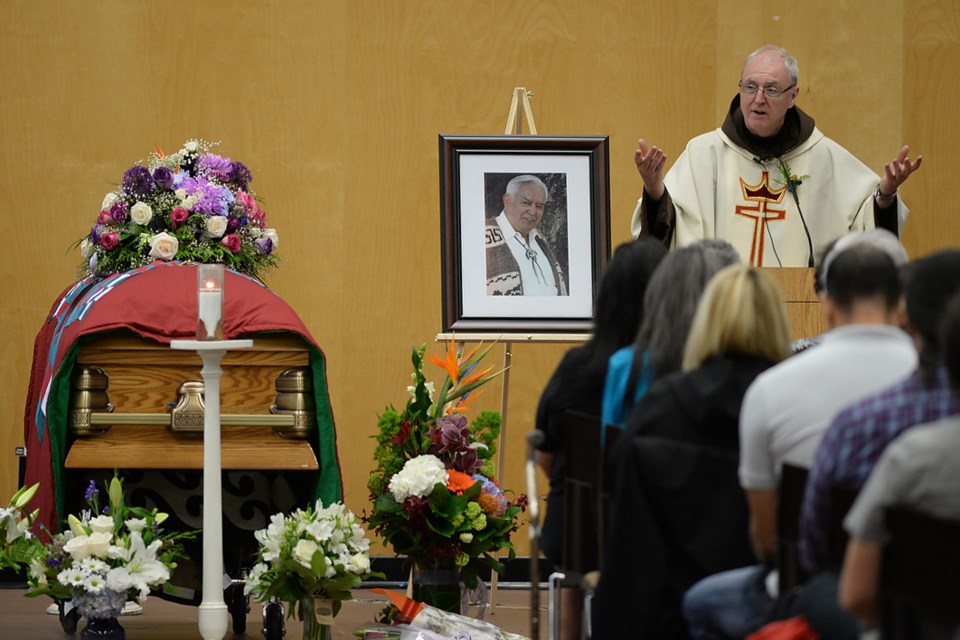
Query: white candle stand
(213,609)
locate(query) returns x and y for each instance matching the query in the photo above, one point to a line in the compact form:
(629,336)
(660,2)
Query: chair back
(581,493)
(842,498)
(920,577)
(606,480)
(793,479)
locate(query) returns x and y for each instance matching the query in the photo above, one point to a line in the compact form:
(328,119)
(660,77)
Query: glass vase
(313,613)
(103,629)
(437,587)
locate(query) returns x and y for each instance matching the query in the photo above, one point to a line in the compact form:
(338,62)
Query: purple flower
(216,167)
(209,200)
(95,234)
(451,436)
(118,211)
(91,491)
(240,176)
(265,245)
(137,181)
(233,223)
(163,177)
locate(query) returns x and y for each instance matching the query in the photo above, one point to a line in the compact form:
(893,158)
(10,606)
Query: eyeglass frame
(746,91)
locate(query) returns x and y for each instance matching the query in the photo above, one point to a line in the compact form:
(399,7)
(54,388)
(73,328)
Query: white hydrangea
(418,477)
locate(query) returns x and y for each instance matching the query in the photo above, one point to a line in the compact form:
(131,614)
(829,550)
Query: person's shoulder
(933,439)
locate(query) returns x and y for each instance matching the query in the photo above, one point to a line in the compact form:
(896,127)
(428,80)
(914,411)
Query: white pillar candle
(210,305)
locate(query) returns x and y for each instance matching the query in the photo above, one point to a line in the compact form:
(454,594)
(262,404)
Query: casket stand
(113,386)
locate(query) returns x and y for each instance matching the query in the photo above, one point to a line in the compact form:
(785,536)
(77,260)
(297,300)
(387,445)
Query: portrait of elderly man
(768,180)
(520,261)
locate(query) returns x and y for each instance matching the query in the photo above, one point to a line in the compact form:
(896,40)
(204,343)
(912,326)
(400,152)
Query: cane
(534,439)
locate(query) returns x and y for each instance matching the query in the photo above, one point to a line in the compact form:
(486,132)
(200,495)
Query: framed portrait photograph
(524,231)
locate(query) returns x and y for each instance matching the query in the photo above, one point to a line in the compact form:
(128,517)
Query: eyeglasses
(751,89)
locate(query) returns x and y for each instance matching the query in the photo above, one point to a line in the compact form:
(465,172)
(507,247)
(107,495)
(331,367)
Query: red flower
(109,241)
(232,242)
(402,435)
(178,216)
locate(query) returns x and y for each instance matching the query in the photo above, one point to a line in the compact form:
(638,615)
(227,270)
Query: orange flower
(450,363)
(458,481)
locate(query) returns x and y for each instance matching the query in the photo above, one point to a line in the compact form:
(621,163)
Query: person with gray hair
(767,180)
(671,300)
(520,262)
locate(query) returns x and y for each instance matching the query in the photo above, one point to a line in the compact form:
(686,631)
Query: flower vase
(316,614)
(103,629)
(437,587)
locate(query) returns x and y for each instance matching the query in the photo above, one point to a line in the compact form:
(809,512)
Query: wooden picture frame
(492,281)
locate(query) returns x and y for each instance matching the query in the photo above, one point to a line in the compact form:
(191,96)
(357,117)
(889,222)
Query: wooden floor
(23,618)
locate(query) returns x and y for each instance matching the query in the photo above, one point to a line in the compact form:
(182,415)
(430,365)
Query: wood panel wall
(336,105)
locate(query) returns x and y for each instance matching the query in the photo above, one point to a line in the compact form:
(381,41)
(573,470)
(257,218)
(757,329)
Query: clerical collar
(797,127)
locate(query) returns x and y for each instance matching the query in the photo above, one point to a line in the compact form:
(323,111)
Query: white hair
(514,185)
(789,62)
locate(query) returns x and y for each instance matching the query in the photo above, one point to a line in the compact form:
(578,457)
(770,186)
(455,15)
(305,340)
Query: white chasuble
(720,190)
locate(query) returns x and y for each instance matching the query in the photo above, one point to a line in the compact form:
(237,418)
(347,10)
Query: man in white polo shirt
(787,409)
(520,262)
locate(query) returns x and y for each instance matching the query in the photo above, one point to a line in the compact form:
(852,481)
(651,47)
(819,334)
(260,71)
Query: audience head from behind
(672,297)
(741,313)
(930,283)
(618,308)
(861,284)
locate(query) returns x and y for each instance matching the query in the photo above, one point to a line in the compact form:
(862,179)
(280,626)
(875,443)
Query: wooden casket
(105,386)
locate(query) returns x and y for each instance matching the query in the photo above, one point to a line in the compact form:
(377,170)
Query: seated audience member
(671,301)
(787,409)
(919,470)
(678,512)
(577,385)
(858,435)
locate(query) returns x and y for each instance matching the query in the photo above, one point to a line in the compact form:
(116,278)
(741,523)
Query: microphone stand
(534,439)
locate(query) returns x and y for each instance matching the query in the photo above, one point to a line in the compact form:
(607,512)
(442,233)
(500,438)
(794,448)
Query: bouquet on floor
(18,544)
(108,555)
(433,490)
(317,554)
(191,206)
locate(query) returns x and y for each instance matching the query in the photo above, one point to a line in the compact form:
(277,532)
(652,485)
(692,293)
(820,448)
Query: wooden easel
(521,97)
(514,124)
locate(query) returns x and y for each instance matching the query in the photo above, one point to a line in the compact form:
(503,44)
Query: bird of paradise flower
(460,387)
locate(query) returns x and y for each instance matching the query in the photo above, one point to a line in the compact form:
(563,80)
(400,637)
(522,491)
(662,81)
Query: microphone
(792,188)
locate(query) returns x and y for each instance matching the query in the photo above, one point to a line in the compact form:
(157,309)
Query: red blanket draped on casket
(159,302)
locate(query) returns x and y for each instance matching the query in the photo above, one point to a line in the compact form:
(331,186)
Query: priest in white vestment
(767,181)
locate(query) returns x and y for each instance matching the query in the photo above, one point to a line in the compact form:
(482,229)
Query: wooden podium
(803,307)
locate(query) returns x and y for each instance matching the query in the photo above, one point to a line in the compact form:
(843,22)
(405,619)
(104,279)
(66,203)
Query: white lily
(141,569)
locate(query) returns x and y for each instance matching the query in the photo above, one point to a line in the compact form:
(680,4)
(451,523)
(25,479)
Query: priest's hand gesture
(650,161)
(895,174)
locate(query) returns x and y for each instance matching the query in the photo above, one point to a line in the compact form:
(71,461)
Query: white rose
(96,544)
(109,200)
(272,234)
(216,226)
(136,524)
(303,552)
(102,523)
(188,202)
(181,193)
(141,213)
(164,246)
(191,146)
(359,563)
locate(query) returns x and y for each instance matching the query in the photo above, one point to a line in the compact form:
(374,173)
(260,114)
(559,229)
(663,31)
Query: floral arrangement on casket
(433,490)
(107,556)
(189,206)
(310,559)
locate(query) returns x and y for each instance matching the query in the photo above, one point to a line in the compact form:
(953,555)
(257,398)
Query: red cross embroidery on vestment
(762,196)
